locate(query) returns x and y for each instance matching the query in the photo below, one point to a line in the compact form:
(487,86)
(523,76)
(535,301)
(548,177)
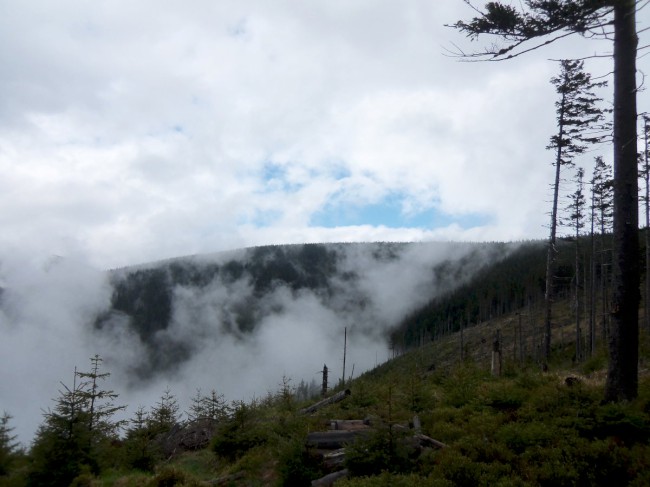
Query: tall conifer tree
(579,121)
(539,22)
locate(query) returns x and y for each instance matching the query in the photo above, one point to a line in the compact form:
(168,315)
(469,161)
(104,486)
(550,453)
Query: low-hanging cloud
(222,335)
(49,309)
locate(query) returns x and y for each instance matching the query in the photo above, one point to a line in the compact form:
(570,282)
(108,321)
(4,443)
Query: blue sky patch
(275,178)
(388,213)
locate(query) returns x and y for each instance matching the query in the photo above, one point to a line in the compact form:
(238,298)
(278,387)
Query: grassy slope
(525,427)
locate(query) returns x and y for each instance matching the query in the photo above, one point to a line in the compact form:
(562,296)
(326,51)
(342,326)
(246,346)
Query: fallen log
(428,442)
(334,459)
(349,424)
(332,440)
(329,479)
(339,396)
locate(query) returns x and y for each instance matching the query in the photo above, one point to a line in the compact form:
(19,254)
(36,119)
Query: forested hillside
(513,284)
(464,372)
(367,287)
(448,287)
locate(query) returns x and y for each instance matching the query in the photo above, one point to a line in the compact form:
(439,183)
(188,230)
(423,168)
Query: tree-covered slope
(368,288)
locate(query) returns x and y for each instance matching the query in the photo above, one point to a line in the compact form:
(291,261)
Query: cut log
(332,440)
(334,459)
(428,442)
(349,424)
(329,479)
(339,396)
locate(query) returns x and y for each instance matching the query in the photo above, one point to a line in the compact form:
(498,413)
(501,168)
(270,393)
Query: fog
(49,307)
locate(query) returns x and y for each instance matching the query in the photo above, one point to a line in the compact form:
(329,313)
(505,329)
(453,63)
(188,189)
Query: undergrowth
(525,428)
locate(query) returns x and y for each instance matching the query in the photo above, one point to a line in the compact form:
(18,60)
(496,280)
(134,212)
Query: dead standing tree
(644,174)
(576,216)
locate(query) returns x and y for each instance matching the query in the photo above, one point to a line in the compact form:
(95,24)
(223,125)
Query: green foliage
(63,444)
(594,363)
(462,384)
(513,279)
(199,464)
(298,466)
(387,479)
(74,439)
(212,407)
(240,433)
(84,479)
(385,449)
(519,437)
(8,445)
(506,399)
(172,477)
(165,414)
(143,446)
(139,450)
(58,458)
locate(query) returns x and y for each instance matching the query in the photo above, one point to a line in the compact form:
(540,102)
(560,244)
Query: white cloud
(141,130)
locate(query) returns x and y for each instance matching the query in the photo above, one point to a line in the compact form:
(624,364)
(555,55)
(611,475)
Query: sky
(137,131)
(132,132)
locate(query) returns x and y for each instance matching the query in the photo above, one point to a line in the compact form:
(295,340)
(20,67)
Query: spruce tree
(101,408)
(165,414)
(140,451)
(8,444)
(74,430)
(212,407)
(62,446)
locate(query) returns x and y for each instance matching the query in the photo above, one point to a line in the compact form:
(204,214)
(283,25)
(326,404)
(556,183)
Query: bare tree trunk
(521,342)
(552,251)
(646,173)
(622,377)
(592,282)
(496,354)
(604,275)
(586,349)
(462,345)
(323,391)
(577,297)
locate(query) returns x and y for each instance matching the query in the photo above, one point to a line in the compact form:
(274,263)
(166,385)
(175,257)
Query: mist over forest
(237,322)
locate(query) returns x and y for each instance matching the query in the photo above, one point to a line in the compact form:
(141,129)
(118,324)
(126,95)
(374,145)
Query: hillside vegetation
(522,428)
(464,401)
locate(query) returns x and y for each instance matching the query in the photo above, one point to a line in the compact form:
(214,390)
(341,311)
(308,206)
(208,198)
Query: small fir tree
(69,440)
(8,444)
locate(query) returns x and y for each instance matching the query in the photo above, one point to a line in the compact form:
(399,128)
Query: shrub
(240,433)
(233,441)
(520,436)
(297,465)
(170,477)
(382,450)
(461,386)
(505,397)
(388,479)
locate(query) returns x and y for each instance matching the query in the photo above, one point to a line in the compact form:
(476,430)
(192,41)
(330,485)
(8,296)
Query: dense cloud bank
(236,322)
